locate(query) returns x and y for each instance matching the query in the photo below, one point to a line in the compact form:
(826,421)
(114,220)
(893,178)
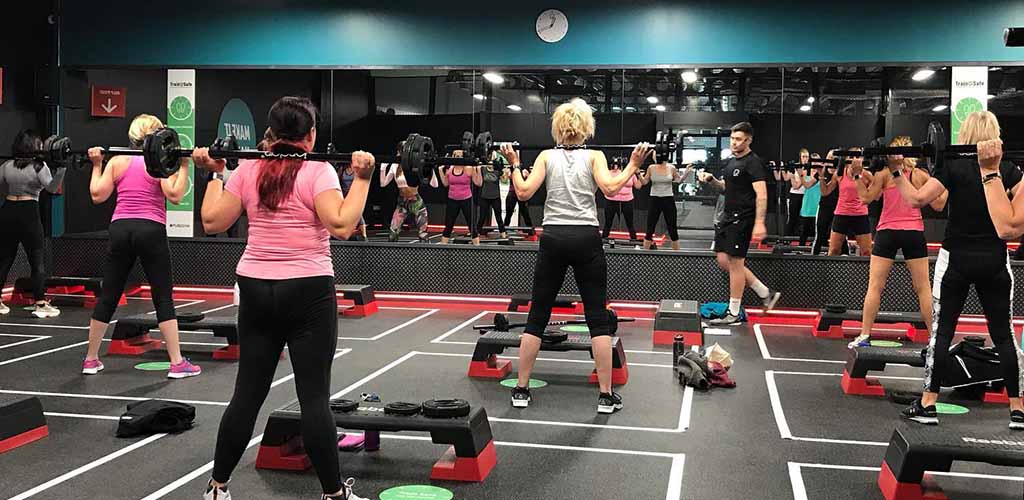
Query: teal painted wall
(463,33)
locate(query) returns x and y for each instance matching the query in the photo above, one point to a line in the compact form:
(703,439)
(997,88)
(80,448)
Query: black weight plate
(467,144)
(445,408)
(501,322)
(344,405)
(484,142)
(158,150)
(835,308)
(415,149)
(937,142)
(554,337)
(190,317)
(229,143)
(401,408)
(60,151)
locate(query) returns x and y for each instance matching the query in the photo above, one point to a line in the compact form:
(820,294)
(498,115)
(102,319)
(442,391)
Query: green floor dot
(885,343)
(948,409)
(416,492)
(534,383)
(156,366)
(575,329)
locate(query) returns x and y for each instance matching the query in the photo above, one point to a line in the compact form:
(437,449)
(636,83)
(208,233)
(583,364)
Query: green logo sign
(416,492)
(236,120)
(963,107)
(180,108)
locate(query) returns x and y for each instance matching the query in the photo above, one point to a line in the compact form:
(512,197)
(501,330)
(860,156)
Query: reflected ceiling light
(616,108)
(659,108)
(514,107)
(630,108)
(651,99)
(923,74)
(995,68)
(810,100)
(690,76)
(940,107)
(805,107)
(493,77)
(479,97)
(990,96)
(534,97)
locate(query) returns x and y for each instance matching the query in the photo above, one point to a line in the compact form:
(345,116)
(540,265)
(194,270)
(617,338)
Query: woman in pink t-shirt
(138,231)
(851,212)
(621,202)
(459,181)
(286,284)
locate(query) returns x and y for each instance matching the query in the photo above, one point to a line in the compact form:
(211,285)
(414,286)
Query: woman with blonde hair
(138,231)
(974,253)
(900,228)
(571,237)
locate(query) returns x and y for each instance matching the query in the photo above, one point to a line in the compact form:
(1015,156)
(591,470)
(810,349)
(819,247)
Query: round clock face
(552,25)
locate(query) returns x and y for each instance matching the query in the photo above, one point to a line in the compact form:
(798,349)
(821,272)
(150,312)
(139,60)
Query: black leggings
(807,228)
(581,248)
(486,207)
(302,313)
(662,205)
(145,240)
(955,272)
(20,223)
(821,236)
(451,212)
(794,221)
(524,211)
(626,209)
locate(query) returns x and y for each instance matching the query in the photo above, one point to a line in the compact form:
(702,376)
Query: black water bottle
(678,348)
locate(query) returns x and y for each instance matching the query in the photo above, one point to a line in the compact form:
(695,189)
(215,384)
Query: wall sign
(108,101)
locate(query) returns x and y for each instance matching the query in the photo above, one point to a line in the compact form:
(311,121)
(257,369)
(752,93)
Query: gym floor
(787,430)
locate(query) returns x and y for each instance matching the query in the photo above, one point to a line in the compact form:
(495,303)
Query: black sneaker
(728,319)
(520,397)
(925,415)
(609,403)
(770,301)
(1016,420)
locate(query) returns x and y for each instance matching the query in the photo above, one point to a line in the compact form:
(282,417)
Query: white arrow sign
(109,106)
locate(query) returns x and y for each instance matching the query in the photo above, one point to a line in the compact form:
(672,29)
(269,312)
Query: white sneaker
(216,493)
(861,341)
(346,489)
(4,309)
(45,310)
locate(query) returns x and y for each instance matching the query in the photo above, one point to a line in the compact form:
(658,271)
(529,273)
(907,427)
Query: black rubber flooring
(787,430)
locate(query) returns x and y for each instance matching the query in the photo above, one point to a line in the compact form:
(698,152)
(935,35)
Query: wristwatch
(215,176)
(989,177)
(897,173)
(856,177)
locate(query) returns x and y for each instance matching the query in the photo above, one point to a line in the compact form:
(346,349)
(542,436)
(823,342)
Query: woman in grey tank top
(572,174)
(662,178)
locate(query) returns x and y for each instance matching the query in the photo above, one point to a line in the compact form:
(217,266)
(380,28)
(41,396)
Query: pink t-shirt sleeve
(236,183)
(325,178)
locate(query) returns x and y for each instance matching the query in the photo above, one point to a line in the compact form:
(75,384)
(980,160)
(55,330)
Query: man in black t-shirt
(746,203)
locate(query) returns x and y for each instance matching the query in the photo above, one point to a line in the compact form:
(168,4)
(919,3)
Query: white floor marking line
(187,304)
(33,325)
(796,479)
(81,415)
(380,371)
(768,357)
(23,336)
(104,396)
(773,395)
(187,478)
(395,329)
(23,342)
(462,325)
(86,468)
(215,309)
(43,353)
(393,308)
(687,409)
(838,441)
(559,360)
(816,374)
(675,478)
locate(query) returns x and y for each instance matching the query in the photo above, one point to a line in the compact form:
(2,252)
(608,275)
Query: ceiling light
(990,96)
(810,100)
(923,74)
(493,77)
(651,99)
(514,107)
(805,107)
(940,108)
(689,76)
(616,108)
(659,108)
(479,97)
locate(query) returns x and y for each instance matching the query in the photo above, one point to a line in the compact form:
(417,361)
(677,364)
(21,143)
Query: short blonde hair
(572,123)
(142,126)
(979,126)
(901,141)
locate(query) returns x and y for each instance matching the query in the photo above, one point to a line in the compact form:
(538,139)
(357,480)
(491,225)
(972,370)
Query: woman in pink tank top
(138,231)
(851,219)
(459,182)
(900,228)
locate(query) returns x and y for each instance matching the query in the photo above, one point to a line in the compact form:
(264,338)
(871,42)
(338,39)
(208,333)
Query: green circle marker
(416,492)
(156,366)
(885,343)
(948,409)
(966,106)
(575,329)
(534,383)
(180,108)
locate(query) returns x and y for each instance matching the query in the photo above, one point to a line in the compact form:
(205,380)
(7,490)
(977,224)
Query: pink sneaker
(92,366)
(184,369)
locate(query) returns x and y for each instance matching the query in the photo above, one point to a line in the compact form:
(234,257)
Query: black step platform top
(573,342)
(902,355)
(1004,448)
(371,416)
(207,322)
(883,316)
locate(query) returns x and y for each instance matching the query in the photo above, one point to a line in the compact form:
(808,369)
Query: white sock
(759,288)
(734,306)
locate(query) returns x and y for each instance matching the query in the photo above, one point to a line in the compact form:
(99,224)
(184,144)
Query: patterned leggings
(404,208)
